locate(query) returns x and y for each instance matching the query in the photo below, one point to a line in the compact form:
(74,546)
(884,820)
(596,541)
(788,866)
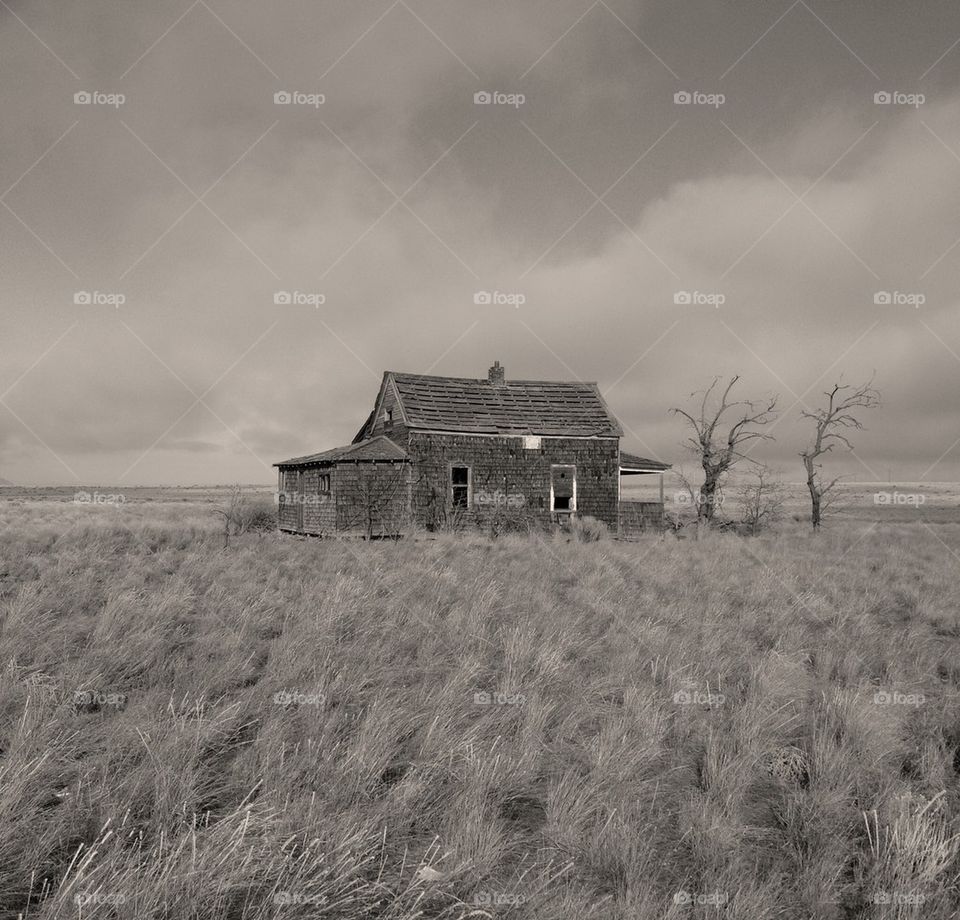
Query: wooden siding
(372,498)
(505,475)
(319,509)
(396,430)
(637,517)
(287,511)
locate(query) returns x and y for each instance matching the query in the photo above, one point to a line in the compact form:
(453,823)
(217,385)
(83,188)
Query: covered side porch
(640,510)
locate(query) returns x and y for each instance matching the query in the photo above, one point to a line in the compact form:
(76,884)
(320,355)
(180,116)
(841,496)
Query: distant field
(453,727)
(931,502)
(127,493)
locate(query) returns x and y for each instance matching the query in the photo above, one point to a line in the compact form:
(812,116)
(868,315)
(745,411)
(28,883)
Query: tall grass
(465,727)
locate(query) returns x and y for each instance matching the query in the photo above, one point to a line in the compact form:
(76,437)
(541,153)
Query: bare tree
(719,447)
(232,514)
(378,501)
(683,508)
(241,515)
(844,401)
(761,498)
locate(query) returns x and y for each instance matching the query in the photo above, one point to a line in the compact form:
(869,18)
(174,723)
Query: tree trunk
(814,494)
(708,501)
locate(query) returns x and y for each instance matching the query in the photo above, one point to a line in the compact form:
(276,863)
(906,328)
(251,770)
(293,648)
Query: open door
(563,489)
(300,499)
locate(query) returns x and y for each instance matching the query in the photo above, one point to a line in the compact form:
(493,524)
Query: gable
(387,400)
(519,407)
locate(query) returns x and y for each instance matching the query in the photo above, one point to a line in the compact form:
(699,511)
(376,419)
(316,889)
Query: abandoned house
(441,451)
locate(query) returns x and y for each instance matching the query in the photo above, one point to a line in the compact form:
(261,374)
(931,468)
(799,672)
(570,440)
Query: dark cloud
(303,199)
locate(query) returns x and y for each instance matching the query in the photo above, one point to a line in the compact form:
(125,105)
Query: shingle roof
(378,448)
(633,463)
(534,407)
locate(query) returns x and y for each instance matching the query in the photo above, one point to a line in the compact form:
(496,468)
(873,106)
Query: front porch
(640,511)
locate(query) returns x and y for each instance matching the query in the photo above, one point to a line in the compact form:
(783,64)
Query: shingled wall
(373,498)
(501,464)
(319,508)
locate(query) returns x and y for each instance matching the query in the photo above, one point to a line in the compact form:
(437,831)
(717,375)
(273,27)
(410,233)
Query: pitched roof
(534,407)
(631,463)
(378,448)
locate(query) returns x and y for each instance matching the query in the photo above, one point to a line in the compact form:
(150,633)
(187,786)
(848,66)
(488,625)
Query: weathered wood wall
(637,516)
(287,510)
(395,429)
(319,508)
(372,498)
(501,465)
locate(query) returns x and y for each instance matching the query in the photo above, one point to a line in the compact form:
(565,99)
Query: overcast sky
(783,198)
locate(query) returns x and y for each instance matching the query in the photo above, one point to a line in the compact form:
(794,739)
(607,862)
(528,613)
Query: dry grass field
(459,726)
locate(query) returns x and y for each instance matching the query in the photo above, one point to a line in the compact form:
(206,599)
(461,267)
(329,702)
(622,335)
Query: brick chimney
(495,376)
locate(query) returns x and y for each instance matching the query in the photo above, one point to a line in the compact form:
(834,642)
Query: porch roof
(632,465)
(379,448)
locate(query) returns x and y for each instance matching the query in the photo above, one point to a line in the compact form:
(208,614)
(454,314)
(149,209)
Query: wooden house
(441,450)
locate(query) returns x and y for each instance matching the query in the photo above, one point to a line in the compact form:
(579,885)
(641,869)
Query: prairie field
(455,725)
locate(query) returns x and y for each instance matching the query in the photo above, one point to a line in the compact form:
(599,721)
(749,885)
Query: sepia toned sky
(786,198)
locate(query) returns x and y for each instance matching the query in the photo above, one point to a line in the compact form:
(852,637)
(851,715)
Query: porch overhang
(632,465)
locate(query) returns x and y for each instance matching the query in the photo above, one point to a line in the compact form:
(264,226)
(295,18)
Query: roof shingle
(532,407)
(631,463)
(378,448)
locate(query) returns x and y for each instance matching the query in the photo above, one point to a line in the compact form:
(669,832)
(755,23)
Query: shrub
(256,517)
(586,529)
(241,515)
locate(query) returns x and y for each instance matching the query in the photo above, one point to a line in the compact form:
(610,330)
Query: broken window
(460,486)
(563,488)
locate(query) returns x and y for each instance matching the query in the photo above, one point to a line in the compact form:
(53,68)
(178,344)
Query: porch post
(661,490)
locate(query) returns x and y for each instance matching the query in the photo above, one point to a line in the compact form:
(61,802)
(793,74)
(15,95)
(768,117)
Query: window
(460,486)
(563,488)
(389,416)
(324,482)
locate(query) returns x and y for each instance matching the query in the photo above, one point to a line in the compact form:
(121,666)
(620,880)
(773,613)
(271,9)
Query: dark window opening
(324,482)
(460,486)
(564,488)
